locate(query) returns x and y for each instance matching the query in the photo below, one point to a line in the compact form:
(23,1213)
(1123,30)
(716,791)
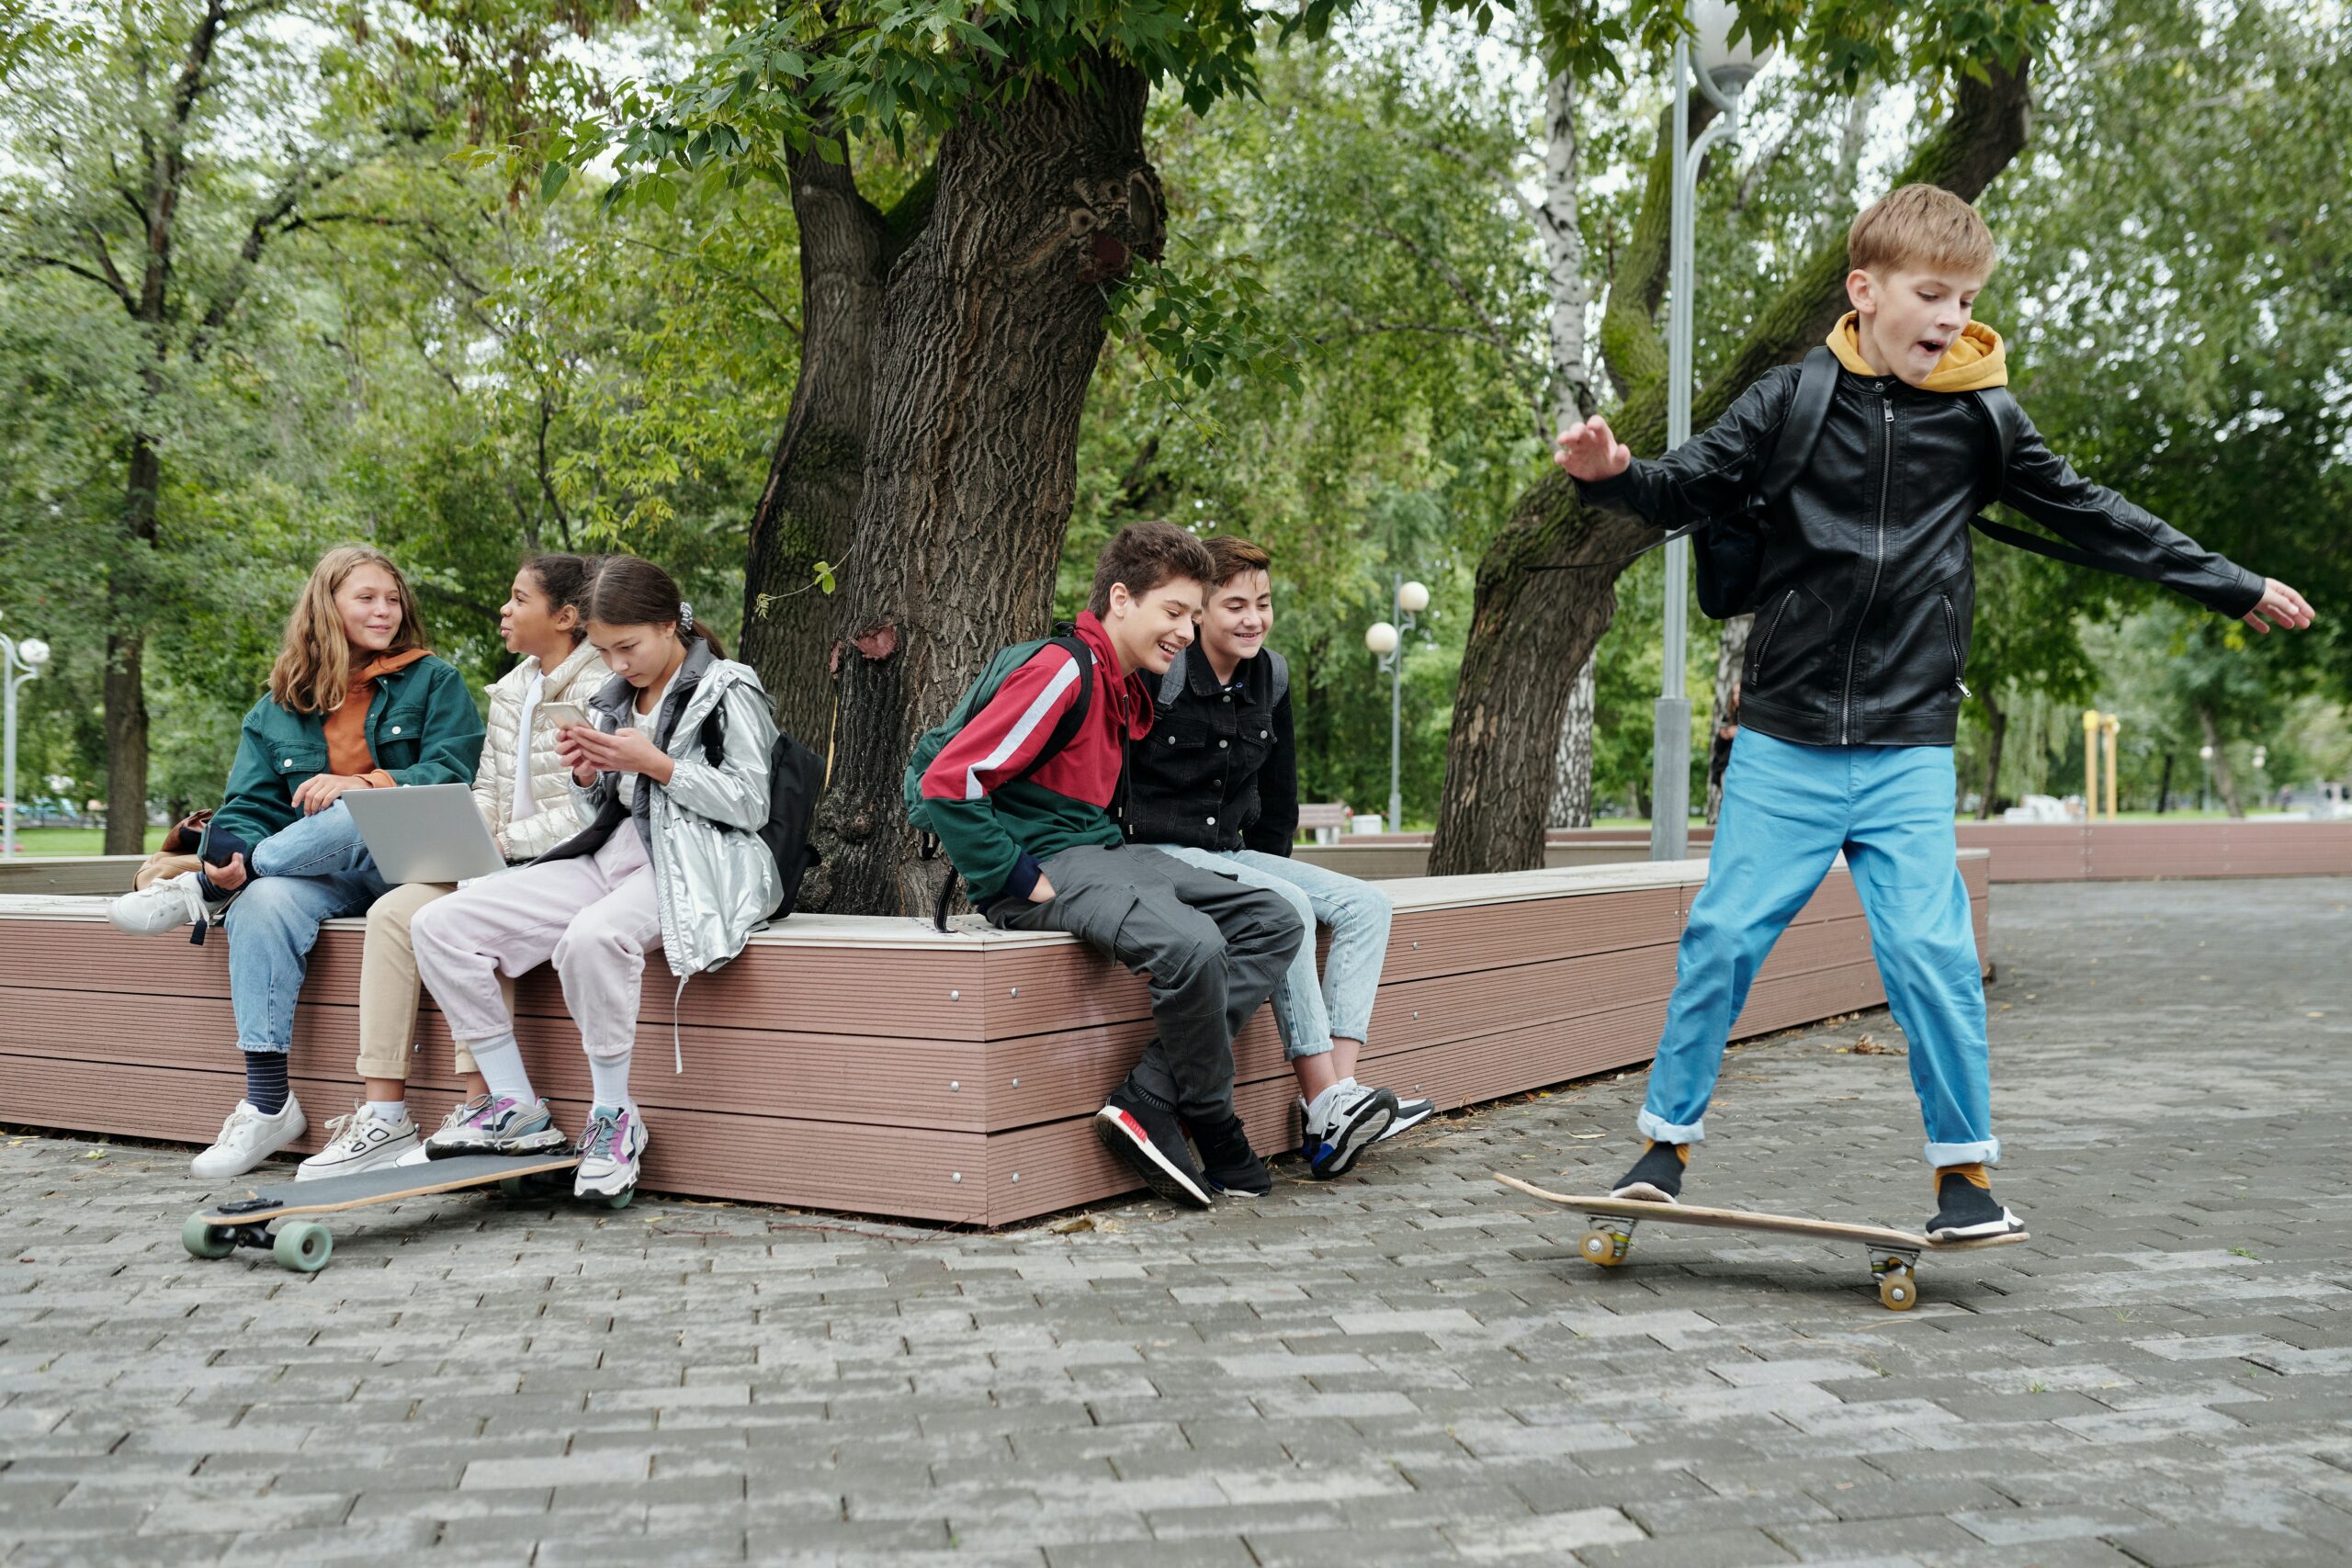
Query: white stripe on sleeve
(1064,678)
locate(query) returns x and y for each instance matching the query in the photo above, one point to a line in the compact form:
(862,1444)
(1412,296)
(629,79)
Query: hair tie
(686,616)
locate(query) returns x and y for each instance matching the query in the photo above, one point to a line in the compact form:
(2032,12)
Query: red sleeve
(1006,735)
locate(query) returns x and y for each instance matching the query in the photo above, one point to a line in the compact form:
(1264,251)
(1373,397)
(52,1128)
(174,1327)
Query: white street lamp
(2204,755)
(27,656)
(1387,638)
(1724,70)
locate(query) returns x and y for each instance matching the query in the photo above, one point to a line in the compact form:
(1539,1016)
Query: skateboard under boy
(1894,1254)
(304,1244)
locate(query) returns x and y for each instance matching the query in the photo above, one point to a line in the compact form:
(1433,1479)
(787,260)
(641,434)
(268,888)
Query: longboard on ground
(304,1244)
(1894,1254)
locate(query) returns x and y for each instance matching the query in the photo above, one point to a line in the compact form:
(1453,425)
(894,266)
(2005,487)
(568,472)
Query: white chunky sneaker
(163,904)
(248,1137)
(359,1141)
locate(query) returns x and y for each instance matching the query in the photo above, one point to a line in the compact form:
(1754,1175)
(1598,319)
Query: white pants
(594,918)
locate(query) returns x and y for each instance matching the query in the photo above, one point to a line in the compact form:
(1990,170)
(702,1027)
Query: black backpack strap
(2022,541)
(2008,424)
(1801,429)
(714,735)
(1172,685)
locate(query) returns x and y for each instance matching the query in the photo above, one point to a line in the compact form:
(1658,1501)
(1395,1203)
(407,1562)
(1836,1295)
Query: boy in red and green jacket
(1037,848)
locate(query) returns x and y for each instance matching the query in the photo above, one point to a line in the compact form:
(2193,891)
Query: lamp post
(1723,72)
(2108,727)
(2204,783)
(1387,638)
(19,662)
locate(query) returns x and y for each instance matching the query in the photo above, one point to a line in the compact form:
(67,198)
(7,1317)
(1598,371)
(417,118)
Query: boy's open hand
(1589,452)
(2281,606)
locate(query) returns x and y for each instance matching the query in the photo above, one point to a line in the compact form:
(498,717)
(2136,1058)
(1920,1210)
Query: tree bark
(807,511)
(1546,586)
(124,690)
(1572,768)
(988,337)
(2163,785)
(1996,732)
(1731,651)
(2224,780)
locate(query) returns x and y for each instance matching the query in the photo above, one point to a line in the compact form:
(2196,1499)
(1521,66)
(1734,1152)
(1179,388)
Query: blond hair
(314,669)
(1921,228)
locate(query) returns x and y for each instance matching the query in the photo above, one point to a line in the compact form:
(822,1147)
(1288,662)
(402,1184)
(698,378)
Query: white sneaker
(360,1141)
(166,904)
(248,1137)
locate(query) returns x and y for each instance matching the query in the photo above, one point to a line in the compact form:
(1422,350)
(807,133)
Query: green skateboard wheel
(303,1247)
(205,1241)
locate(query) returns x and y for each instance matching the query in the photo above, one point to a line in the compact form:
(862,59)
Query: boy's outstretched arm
(2131,541)
(1714,474)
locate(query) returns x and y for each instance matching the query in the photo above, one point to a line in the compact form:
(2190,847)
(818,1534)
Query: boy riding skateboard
(1850,697)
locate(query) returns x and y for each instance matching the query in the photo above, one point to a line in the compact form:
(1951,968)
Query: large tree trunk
(1572,768)
(1731,651)
(989,335)
(124,689)
(807,511)
(2163,785)
(1997,731)
(2224,780)
(1547,583)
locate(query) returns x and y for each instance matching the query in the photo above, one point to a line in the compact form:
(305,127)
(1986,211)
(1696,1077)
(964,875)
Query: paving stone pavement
(1409,1367)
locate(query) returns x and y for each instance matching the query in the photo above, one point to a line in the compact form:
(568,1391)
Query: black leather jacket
(1867,597)
(1219,770)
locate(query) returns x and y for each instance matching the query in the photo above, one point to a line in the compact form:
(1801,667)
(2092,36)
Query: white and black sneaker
(360,1141)
(1656,1176)
(1965,1212)
(166,904)
(1411,1113)
(1148,1139)
(1345,1119)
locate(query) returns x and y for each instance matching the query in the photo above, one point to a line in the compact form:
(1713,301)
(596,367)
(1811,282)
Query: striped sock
(265,1089)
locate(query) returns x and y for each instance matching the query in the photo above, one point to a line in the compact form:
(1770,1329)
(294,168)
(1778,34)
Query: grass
(73,840)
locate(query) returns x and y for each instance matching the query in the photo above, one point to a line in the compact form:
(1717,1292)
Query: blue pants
(301,877)
(1787,811)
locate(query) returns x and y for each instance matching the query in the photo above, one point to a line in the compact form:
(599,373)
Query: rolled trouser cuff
(1659,1131)
(1984,1151)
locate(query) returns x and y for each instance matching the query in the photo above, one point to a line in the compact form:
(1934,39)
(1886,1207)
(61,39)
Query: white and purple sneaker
(609,1151)
(496,1124)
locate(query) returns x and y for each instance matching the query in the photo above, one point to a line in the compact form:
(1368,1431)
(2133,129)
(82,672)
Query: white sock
(393,1111)
(1318,1111)
(500,1063)
(609,1079)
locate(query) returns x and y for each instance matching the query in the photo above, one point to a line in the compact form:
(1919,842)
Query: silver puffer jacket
(715,880)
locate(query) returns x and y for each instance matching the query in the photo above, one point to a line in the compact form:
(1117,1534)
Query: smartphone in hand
(565,715)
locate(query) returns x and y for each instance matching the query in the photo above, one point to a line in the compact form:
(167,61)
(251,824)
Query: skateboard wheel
(303,1247)
(620,1199)
(1605,1247)
(1897,1291)
(205,1241)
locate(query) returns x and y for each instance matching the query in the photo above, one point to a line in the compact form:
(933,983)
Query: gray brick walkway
(1410,1368)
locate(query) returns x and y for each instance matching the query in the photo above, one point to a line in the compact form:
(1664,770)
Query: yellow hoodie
(1978,359)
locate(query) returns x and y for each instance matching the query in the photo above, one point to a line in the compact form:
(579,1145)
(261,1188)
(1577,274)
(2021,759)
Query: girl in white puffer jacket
(522,791)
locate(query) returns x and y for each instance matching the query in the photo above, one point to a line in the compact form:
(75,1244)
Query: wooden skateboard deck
(1894,1253)
(305,1245)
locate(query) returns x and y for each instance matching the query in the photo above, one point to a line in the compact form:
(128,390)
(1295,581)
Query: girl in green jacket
(355,701)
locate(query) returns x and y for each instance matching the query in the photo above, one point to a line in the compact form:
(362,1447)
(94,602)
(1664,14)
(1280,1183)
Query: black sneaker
(1227,1162)
(1411,1113)
(1147,1137)
(1656,1176)
(1354,1124)
(1965,1212)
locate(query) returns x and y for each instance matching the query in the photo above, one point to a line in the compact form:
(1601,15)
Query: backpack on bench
(796,778)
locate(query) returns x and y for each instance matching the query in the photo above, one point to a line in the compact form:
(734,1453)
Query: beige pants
(388,984)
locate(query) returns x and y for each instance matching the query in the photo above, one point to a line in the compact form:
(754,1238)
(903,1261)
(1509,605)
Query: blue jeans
(1309,1010)
(1787,811)
(301,877)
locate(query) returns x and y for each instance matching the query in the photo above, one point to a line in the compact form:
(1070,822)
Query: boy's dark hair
(1144,555)
(628,591)
(564,578)
(1229,557)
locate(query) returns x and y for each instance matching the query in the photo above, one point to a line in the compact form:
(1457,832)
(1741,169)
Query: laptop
(424,832)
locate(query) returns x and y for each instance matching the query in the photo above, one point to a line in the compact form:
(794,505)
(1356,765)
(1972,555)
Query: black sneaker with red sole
(1149,1140)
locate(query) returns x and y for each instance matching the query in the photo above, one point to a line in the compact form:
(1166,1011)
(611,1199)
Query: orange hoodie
(346,727)
(1976,359)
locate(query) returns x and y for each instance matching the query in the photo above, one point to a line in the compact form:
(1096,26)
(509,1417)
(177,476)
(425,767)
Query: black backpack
(1730,550)
(796,778)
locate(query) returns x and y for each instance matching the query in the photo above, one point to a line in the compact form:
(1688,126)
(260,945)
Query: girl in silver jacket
(671,775)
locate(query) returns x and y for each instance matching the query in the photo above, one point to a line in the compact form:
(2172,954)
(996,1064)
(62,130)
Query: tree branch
(737,279)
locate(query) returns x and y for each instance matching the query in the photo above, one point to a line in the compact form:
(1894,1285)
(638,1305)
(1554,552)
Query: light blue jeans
(303,875)
(1311,1009)
(1787,811)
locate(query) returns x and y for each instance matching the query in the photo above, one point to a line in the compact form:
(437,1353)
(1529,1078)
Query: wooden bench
(876,1066)
(1326,819)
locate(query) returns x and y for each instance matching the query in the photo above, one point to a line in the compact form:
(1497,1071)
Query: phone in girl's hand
(564,716)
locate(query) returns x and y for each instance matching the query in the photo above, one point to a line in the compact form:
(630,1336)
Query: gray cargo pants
(1211,948)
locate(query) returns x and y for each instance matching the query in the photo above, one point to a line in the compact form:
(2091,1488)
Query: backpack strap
(1801,429)
(1172,685)
(2001,407)
(1066,730)
(1282,678)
